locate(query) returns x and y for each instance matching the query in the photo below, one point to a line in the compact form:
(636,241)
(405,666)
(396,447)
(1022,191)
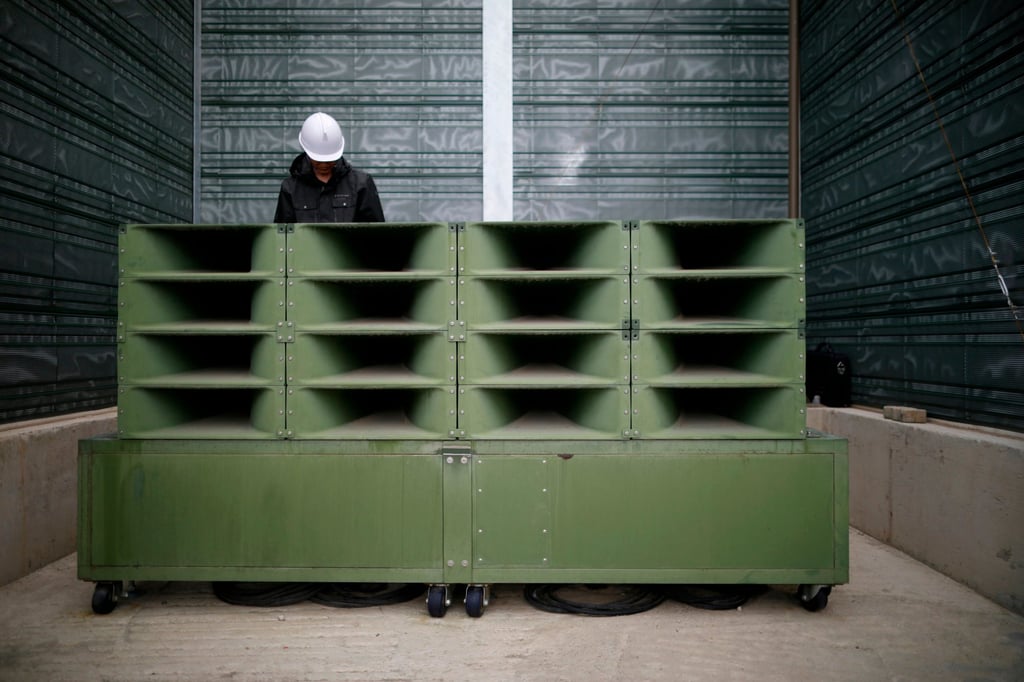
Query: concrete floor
(896,620)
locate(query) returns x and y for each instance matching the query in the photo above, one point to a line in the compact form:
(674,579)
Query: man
(322,187)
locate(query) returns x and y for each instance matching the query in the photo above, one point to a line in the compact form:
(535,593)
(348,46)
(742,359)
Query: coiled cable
(359,595)
(626,600)
(713,597)
(343,595)
(264,594)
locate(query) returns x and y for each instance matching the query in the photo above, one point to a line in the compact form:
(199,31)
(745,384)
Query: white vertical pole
(497,114)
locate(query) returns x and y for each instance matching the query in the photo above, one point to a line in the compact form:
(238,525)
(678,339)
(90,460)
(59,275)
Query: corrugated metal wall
(648,109)
(651,109)
(96,123)
(402,78)
(622,109)
(899,275)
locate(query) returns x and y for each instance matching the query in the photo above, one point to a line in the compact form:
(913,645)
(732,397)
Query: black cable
(713,597)
(264,594)
(356,595)
(628,599)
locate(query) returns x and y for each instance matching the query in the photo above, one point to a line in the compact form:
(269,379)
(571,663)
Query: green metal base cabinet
(463,512)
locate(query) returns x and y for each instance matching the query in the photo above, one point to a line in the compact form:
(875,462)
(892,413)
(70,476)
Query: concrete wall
(39,488)
(948,495)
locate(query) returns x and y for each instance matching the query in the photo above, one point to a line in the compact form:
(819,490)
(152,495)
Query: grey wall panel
(621,109)
(650,109)
(403,79)
(96,123)
(899,275)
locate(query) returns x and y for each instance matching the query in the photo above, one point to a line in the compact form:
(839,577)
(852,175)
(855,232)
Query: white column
(497,96)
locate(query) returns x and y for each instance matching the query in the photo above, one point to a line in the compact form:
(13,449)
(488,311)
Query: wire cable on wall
(1014,310)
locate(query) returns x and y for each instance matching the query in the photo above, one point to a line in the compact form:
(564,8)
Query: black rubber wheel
(104,598)
(475,601)
(818,602)
(437,601)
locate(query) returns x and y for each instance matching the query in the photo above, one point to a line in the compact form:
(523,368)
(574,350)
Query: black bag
(828,376)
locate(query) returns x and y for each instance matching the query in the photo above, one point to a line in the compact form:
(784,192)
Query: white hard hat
(321,138)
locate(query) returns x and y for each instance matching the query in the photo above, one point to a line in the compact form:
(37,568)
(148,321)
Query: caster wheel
(437,600)
(476,600)
(104,598)
(816,601)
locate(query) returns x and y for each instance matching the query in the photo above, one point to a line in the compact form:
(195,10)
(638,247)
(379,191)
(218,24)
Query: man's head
(322,140)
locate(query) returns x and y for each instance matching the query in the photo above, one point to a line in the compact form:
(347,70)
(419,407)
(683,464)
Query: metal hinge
(457,453)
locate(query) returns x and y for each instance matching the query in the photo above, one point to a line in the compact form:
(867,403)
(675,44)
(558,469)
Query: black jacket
(349,197)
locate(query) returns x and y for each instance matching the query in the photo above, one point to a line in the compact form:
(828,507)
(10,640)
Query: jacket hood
(302,167)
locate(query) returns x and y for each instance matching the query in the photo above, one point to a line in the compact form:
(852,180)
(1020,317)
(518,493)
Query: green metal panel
(366,360)
(199,511)
(545,358)
(731,245)
(201,360)
(458,513)
(553,276)
(679,412)
(548,302)
(584,247)
(542,412)
(723,357)
(696,301)
(385,413)
(238,304)
(711,515)
(387,249)
(200,331)
(745,511)
(718,309)
(371,303)
(513,511)
(201,250)
(215,412)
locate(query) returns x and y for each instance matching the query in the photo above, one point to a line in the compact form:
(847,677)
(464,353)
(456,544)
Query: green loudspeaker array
(718,310)
(199,311)
(371,307)
(544,308)
(576,330)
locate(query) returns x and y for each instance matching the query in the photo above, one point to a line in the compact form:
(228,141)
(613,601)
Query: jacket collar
(302,169)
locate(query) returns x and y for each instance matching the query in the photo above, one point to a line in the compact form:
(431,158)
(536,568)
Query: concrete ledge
(39,488)
(949,495)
